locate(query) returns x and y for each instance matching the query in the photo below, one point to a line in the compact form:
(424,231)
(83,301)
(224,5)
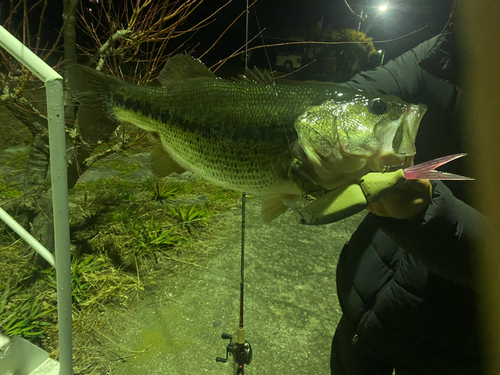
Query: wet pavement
(290,306)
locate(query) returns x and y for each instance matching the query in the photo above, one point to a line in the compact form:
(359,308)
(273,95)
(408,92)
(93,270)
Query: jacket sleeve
(444,238)
(402,76)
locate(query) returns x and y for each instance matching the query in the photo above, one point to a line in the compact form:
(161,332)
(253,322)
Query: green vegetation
(124,167)
(355,52)
(26,309)
(113,184)
(17,159)
(362,46)
(225,195)
(8,190)
(23,318)
(159,190)
(151,237)
(80,269)
(123,234)
(187,215)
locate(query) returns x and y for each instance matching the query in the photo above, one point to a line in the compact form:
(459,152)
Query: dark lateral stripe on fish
(140,106)
(209,128)
(231,132)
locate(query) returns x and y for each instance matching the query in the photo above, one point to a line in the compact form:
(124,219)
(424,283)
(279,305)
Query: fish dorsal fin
(160,161)
(180,67)
(255,76)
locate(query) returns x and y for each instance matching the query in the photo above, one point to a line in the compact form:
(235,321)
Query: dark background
(283,16)
(288,18)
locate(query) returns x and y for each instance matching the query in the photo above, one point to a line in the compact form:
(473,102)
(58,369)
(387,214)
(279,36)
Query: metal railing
(57,142)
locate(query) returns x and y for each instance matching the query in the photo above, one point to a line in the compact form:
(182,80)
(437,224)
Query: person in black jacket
(405,279)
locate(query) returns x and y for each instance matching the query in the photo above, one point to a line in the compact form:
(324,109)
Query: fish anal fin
(162,164)
(181,67)
(273,206)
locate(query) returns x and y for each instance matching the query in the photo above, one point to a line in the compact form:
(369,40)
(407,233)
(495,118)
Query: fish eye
(377,107)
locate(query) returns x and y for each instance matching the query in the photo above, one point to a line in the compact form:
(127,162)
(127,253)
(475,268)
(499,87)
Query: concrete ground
(291,307)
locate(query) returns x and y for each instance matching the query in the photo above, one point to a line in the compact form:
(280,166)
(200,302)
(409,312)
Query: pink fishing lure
(427,170)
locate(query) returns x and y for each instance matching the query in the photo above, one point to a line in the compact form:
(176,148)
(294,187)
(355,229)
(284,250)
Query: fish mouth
(413,118)
(403,141)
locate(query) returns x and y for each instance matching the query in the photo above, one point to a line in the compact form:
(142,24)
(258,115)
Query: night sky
(402,17)
(287,16)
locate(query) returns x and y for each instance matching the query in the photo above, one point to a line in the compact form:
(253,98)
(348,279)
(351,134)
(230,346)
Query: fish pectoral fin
(162,164)
(273,206)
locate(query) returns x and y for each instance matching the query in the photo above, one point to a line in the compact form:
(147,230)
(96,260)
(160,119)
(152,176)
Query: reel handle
(242,353)
(231,348)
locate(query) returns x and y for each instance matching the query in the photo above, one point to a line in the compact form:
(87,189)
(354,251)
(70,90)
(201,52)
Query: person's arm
(402,76)
(444,235)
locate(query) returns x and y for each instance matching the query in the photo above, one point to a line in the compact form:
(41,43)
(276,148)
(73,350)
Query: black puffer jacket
(406,288)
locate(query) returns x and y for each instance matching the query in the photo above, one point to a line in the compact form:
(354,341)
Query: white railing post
(57,141)
(24,234)
(59,178)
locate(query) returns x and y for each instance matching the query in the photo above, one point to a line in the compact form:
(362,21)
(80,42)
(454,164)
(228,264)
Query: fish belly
(254,167)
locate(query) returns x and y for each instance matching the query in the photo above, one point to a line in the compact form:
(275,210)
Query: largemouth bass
(275,141)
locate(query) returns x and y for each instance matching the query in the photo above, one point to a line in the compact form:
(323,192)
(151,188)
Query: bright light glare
(382,8)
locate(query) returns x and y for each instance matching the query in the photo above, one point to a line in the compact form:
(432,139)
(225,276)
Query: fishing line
(241,349)
(438,39)
(265,49)
(241,332)
(270,69)
(246,39)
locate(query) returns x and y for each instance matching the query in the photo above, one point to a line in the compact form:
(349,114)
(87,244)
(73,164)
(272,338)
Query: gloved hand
(350,198)
(405,201)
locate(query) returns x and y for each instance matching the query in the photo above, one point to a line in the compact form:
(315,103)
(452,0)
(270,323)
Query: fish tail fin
(426,170)
(93,90)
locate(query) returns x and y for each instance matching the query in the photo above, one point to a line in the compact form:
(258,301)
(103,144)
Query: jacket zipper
(361,323)
(355,338)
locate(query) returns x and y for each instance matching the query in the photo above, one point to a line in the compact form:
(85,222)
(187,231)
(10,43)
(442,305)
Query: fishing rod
(241,349)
